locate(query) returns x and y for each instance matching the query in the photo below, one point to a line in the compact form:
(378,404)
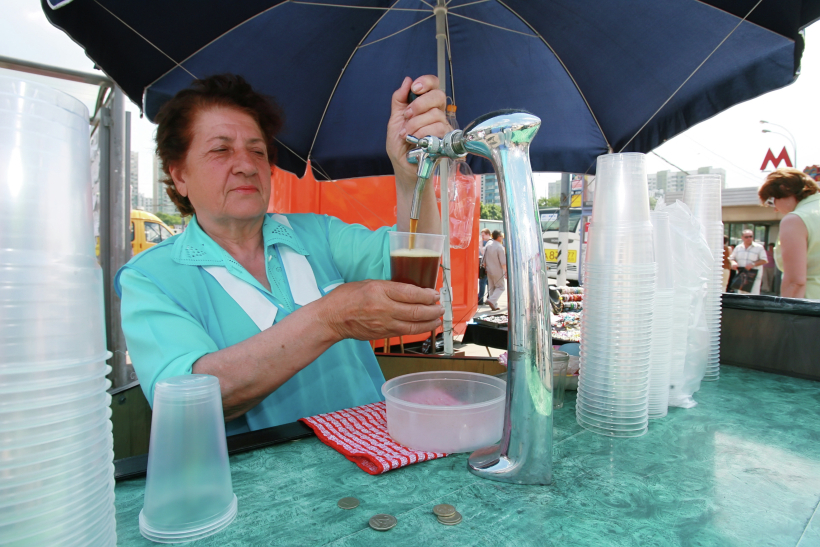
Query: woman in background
(794,194)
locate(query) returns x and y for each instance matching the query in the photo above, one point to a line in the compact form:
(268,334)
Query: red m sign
(784,156)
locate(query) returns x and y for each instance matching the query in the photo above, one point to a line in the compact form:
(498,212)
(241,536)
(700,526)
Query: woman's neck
(241,238)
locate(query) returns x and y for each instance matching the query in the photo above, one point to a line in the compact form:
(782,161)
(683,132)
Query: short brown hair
(176,117)
(787,182)
(485,231)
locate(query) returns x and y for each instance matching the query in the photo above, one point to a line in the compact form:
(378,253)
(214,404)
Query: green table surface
(741,468)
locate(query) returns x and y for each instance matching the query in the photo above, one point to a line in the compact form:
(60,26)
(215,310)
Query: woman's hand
(424,116)
(373,310)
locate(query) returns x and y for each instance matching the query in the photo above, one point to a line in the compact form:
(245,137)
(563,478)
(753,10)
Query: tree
(490,211)
(554,201)
(652,202)
(170,220)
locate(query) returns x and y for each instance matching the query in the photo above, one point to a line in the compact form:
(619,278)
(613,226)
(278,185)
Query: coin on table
(348,503)
(444,510)
(382,522)
(451,520)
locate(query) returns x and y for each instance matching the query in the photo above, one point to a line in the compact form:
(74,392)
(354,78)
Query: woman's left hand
(424,116)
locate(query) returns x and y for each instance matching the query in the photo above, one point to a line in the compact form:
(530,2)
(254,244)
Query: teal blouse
(174,312)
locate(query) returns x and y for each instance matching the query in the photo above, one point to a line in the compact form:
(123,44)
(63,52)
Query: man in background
(482,281)
(495,260)
(751,256)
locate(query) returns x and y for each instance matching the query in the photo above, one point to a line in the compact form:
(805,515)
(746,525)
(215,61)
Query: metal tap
(427,152)
(524,455)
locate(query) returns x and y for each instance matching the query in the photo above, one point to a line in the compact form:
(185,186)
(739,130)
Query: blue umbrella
(602,76)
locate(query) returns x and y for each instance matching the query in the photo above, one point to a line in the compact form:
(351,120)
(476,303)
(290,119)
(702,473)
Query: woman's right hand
(373,310)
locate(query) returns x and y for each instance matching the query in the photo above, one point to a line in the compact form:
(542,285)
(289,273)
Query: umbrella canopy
(602,76)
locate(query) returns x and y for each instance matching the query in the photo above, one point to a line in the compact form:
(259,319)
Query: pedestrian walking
(495,260)
(482,271)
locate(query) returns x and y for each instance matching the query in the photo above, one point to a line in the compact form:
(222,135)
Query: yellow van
(146,231)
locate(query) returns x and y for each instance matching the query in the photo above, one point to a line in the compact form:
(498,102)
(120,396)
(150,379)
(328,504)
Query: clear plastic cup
(188,489)
(414,258)
(23,457)
(616,416)
(53,414)
(614,388)
(25,379)
(621,190)
(33,436)
(560,361)
(52,527)
(68,478)
(613,424)
(593,403)
(79,390)
(612,433)
(47,134)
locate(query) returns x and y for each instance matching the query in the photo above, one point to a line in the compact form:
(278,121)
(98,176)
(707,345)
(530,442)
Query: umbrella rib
(327,5)
(690,76)
(558,57)
(342,73)
(132,29)
(397,32)
(464,5)
(492,25)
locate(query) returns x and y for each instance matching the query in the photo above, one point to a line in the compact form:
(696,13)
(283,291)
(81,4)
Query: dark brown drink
(415,266)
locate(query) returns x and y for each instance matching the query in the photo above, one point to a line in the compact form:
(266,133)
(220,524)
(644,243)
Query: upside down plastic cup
(188,490)
(414,258)
(560,361)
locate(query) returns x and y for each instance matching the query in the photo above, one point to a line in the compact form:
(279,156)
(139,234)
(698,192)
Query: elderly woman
(278,307)
(797,253)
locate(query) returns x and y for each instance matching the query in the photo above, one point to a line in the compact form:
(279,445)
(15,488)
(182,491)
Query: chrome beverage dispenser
(524,455)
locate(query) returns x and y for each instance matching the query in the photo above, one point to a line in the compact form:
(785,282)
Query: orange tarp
(371,201)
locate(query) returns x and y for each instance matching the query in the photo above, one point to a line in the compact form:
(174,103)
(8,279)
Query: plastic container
(445,411)
(188,490)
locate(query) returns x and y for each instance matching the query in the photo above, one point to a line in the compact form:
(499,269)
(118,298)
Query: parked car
(549,234)
(146,231)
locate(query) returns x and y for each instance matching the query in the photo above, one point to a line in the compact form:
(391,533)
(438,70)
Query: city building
(665,182)
(713,171)
(489,190)
(161,202)
(554,189)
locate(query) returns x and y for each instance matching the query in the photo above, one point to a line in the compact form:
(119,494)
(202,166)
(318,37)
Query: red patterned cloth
(361,435)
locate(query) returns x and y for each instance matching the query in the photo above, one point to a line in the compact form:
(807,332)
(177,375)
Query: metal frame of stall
(111,129)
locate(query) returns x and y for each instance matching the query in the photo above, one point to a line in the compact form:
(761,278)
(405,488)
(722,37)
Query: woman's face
(785,205)
(226,173)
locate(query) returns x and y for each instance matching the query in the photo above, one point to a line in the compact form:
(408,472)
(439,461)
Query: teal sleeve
(163,340)
(359,253)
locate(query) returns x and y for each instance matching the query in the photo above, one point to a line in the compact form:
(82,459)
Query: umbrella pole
(444,171)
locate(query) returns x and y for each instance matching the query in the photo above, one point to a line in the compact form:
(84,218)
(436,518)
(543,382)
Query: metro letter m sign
(776,161)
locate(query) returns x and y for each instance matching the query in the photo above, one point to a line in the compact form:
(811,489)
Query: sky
(732,140)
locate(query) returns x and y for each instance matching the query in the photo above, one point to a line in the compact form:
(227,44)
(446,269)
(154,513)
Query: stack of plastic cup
(702,194)
(661,356)
(188,490)
(56,470)
(619,292)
